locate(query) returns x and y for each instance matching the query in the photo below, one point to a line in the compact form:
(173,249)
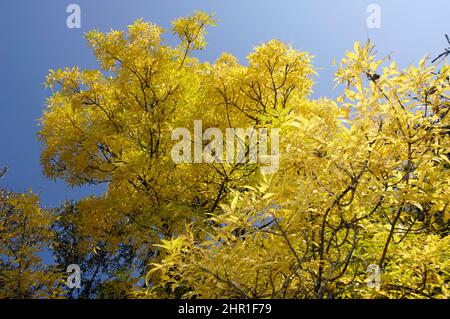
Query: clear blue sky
(34,38)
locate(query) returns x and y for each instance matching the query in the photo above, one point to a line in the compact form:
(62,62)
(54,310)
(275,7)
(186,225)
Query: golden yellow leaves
(25,232)
(361,177)
(145,35)
(382,177)
(358,63)
(24,208)
(191,30)
(284,68)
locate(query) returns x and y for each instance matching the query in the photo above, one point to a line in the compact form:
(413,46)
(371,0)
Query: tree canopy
(363,179)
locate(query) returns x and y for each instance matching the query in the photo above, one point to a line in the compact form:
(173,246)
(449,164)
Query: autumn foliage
(363,179)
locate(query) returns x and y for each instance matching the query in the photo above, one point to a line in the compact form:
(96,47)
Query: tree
(106,269)
(362,180)
(369,186)
(24,235)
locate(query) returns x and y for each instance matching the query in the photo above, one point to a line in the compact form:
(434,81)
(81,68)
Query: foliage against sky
(363,179)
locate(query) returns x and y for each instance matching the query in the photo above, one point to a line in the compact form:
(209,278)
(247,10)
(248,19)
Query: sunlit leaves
(24,235)
(363,179)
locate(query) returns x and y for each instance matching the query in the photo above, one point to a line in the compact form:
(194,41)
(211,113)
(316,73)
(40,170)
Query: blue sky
(35,38)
